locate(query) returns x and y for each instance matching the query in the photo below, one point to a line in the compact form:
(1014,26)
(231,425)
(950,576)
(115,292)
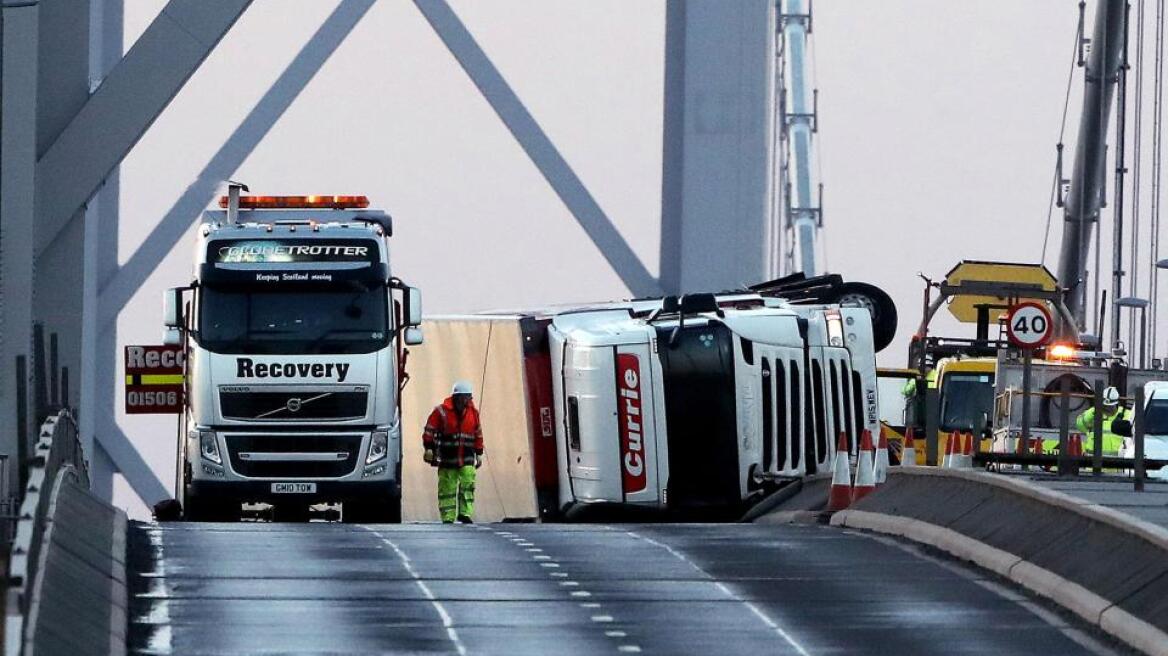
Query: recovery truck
(294,329)
(693,405)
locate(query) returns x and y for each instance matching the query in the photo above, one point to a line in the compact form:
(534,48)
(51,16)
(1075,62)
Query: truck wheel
(386,511)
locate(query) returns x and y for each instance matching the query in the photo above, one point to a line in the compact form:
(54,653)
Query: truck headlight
(378,447)
(208,446)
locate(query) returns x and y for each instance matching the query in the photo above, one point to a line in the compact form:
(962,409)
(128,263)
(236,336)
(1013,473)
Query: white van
(1156,426)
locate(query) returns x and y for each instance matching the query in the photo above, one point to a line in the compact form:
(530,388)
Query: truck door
(590,411)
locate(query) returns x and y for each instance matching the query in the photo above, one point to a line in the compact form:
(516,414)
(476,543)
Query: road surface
(516,589)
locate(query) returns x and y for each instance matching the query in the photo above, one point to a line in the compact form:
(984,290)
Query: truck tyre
(386,511)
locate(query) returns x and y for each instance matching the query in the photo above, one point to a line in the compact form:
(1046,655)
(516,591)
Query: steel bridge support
(73,107)
(716,181)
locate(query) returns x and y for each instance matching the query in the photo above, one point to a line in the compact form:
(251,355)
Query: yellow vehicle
(965,393)
(965,390)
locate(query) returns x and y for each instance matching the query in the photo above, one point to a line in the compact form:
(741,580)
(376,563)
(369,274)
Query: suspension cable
(1157,160)
(1137,167)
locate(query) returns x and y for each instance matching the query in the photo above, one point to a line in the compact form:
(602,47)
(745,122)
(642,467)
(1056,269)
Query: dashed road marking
(447,622)
(542,557)
(602,618)
(569,583)
(590,604)
(558,574)
(549,564)
(629,649)
(615,634)
(580,593)
(755,610)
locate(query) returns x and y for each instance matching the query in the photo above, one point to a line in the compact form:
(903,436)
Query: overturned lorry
(693,406)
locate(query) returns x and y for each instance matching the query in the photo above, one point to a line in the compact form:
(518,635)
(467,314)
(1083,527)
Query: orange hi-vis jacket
(455,440)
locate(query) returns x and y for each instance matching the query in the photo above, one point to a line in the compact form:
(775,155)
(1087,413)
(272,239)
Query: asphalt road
(568,589)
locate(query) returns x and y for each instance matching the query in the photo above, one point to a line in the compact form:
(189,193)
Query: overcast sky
(937,132)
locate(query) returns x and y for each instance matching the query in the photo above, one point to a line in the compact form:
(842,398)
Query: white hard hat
(462,387)
(1110,396)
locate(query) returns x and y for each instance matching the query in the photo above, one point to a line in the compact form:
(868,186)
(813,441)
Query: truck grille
(341,451)
(306,405)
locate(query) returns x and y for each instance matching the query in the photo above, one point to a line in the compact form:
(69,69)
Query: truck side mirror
(414,308)
(413,336)
(172,307)
(172,337)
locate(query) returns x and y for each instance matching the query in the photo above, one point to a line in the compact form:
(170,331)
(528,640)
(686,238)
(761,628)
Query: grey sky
(938,125)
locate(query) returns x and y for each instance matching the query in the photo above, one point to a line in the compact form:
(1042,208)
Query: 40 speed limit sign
(1028,325)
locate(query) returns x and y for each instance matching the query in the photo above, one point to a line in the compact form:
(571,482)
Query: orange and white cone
(865,469)
(840,496)
(951,451)
(908,455)
(967,451)
(881,458)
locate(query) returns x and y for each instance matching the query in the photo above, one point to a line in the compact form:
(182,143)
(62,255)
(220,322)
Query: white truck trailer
(294,330)
(691,405)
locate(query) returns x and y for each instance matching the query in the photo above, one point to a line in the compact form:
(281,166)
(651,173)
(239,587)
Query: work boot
(465,519)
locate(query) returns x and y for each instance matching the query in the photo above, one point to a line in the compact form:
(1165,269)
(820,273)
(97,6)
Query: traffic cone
(951,451)
(865,469)
(881,458)
(967,451)
(840,496)
(908,455)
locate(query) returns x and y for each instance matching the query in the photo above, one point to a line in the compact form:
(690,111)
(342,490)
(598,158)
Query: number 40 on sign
(1029,325)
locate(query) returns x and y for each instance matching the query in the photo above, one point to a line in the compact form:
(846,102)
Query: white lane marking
(580,593)
(549,564)
(542,557)
(569,583)
(590,604)
(534,550)
(559,574)
(447,623)
(161,639)
(615,634)
(758,612)
(602,618)
(629,649)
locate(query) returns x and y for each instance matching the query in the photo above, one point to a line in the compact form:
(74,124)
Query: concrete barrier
(1108,568)
(67,575)
(77,602)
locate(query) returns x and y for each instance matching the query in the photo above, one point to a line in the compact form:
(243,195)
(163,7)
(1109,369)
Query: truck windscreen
(332,320)
(1156,422)
(967,399)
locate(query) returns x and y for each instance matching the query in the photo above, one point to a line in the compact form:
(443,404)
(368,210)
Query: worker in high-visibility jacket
(1116,423)
(453,442)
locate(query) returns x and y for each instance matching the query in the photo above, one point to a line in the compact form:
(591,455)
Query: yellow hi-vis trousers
(456,492)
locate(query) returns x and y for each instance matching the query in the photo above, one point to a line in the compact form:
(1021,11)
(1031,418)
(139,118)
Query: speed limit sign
(1028,325)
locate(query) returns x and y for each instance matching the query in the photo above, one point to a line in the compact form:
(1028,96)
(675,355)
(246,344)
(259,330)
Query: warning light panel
(299,202)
